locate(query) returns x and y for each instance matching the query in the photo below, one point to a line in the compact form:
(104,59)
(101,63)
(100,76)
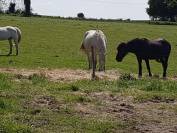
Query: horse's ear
(123,44)
(120,45)
(136,39)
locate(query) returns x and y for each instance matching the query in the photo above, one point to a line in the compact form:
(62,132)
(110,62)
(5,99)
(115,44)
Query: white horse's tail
(19,34)
(93,63)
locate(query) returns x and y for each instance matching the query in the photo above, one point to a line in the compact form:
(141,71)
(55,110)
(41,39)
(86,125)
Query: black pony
(145,49)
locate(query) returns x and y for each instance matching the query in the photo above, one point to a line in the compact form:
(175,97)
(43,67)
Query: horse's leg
(94,59)
(104,61)
(148,67)
(101,61)
(140,67)
(89,60)
(164,65)
(10,44)
(16,45)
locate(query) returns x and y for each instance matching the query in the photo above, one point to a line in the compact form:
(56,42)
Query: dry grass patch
(62,75)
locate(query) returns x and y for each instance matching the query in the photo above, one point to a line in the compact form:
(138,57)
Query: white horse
(11,34)
(95,41)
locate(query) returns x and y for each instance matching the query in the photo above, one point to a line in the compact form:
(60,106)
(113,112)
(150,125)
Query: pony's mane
(137,40)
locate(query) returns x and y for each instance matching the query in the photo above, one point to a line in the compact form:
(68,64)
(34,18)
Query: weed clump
(2,105)
(82,99)
(37,78)
(74,88)
(127,76)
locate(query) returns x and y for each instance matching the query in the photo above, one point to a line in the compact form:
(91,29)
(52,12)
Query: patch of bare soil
(151,116)
(62,75)
(159,117)
(107,105)
(154,116)
(43,102)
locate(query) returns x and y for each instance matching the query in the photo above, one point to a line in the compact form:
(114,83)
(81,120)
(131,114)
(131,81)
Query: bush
(74,88)
(11,8)
(81,15)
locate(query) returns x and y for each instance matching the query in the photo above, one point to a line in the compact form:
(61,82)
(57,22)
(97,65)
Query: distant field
(55,43)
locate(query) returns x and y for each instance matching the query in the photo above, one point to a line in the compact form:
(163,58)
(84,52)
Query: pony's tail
(19,34)
(93,64)
(82,46)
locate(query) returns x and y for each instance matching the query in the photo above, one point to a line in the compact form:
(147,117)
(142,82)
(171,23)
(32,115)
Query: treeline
(12,7)
(163,10)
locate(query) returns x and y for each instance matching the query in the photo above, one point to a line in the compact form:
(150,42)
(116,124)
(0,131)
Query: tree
(27,4)
(81,15)
(11,8)
(162,9)
(172,9)
(2,2)
(157,9)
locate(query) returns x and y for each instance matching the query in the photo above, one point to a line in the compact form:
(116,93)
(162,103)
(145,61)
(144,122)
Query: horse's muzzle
(118,59)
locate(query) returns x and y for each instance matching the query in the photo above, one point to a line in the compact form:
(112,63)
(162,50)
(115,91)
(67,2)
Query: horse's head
(121,51)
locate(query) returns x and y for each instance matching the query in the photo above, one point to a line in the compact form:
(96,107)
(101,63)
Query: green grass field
(34,104)
(55,43)
(37,105)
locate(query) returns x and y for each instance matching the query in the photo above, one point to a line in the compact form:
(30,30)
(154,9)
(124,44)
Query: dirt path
(65,75)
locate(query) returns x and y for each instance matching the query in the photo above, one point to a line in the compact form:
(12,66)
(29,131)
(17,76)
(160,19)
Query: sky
(108,9)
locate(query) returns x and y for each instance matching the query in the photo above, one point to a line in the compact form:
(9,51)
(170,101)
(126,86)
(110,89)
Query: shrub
(81,15)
